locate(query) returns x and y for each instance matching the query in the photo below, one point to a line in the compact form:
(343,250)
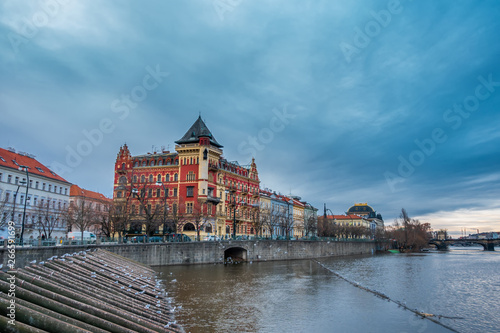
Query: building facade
(25,182)
(193,190)
(89,211)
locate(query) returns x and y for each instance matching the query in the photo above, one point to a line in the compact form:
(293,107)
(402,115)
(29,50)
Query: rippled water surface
(302,296)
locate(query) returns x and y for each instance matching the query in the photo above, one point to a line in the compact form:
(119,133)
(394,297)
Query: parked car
(177,238)
(211,238)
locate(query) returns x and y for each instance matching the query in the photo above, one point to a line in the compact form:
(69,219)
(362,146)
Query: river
(462,285)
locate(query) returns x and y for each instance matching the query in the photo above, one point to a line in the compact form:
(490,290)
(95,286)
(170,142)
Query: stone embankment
(88,291)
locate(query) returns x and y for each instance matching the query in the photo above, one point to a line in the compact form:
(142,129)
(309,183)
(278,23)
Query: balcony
(213,200)
(213,167)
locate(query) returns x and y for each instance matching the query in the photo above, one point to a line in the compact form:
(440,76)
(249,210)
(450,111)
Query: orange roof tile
(13,160)
(77,191)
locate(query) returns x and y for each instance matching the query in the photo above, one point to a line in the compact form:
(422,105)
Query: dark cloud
(353,121)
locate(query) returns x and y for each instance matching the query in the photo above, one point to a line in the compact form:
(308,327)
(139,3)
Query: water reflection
(301,296)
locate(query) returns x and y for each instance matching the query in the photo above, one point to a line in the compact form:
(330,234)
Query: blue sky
(394,103)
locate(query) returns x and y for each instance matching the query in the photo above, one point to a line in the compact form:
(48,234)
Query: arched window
(136,164)
(160,162)
(176,177)
(158,178)
(208,228)
(168,162)
(143,179)
(189,227)
(167,177)
(152,163)
(228,229)
(135,179)
(150,178)
(143,163)
(123,165)
(123,180)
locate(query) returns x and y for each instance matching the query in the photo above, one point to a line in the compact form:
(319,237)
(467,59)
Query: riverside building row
(37,200)
(196,191)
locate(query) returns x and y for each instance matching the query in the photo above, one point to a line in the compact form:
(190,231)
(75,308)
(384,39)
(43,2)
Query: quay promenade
(160,254)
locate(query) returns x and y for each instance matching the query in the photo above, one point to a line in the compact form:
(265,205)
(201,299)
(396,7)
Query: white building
(47,199)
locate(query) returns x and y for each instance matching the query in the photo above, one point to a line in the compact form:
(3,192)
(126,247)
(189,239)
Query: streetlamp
(234,212)
(25,201)
(22,182)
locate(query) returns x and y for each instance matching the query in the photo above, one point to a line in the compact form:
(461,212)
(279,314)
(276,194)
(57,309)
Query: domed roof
(360,208)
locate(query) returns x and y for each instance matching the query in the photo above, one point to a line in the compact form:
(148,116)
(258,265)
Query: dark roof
(360,208)
(197,131)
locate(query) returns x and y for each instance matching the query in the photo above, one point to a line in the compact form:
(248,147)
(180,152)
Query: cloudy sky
(386,102)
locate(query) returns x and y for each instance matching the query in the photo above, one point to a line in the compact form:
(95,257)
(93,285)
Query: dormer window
(39,169)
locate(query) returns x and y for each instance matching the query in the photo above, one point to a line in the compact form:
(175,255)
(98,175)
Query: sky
(393,103)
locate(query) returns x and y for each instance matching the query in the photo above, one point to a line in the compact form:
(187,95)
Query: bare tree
(285,221)
(409,234)
(5,211)
(271,217)
(48,216)
(81,215)
(257,221)
(151,213)
(310,224)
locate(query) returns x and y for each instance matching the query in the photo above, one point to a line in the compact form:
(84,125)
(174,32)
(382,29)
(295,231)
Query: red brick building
(193,190)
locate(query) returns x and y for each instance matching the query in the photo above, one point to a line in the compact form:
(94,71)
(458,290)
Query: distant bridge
(488,244)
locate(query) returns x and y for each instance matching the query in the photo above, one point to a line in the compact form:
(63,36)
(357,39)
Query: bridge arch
(236,254)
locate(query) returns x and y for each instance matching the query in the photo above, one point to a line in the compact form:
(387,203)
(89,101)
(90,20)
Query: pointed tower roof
(197,131)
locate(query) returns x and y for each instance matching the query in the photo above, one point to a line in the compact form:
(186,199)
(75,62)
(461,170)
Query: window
(150,178)
(210,192)
(176,177)
(9,179)
(158,192)
(55,189)
(50,187)
(36,185)
(7,195)
(160,162)
(158,178)
(143,179)
(144,163)
(152,163)
(189,208)
(43,186)
(119,194)
(208,228)
(31,183)
(16,181)
(209,208)
(65,191)
(122,180)
(189,191)
(167,178)
(39,169)
(35,201)
(175,191)
(135,179)
(191,176)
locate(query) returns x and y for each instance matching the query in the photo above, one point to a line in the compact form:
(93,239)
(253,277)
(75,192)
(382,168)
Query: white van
(77,235)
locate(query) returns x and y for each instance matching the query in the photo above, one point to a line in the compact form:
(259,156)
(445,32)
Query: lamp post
(22,182)
(25,201)
(234,213)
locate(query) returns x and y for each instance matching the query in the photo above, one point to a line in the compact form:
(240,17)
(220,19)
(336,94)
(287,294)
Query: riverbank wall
(160,254)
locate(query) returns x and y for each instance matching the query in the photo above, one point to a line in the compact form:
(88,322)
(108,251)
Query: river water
(462,284)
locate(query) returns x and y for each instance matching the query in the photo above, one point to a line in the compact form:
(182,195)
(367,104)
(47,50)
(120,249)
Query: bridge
(488,244)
